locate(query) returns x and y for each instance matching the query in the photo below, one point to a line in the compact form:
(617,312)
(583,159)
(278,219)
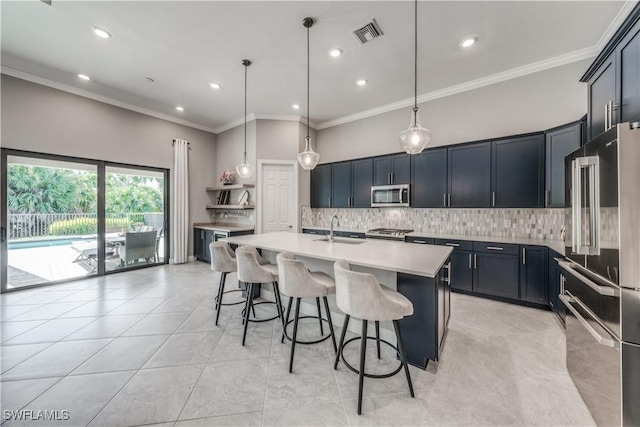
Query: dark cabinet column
(601,90)
(559,144)
(469,175)
(429,179)
(361,182)
(321,186)
(341,185)
(533,274)
(517,178)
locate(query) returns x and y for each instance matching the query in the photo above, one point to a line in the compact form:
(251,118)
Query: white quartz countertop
(223,227)
(420,260)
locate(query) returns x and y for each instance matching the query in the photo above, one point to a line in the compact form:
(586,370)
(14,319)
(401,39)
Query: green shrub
(84,226)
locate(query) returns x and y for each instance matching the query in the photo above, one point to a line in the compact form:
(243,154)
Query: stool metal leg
(219,299)
(333,336)
(319,316)
(342,335)
(378,337)
(278,298)
(286,320)
(363,352)
(403,356)
(295,334)
(248,306)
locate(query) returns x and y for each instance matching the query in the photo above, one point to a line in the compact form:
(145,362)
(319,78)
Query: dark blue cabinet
(361,182)
(628,64)
(419,240)
(496,274)
(517,178)
(469,175)
(555,286)
(534,274)
(461,270)
(601,93)
(429,179)
(560,142)
(393,169)
(321,186)
(341,185)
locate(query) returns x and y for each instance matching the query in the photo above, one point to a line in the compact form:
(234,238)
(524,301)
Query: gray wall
(527,104)
(45,120)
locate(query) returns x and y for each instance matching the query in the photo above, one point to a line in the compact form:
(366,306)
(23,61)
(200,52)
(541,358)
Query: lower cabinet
(496,274)
(315,231)
(534,274)
(203,237)
(461,270)
(554,282)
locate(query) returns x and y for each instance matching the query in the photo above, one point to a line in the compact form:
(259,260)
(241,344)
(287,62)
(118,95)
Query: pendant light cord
(415,57)
(245,112)
(308,84)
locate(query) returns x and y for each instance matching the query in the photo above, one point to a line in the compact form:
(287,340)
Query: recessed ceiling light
(101,32)
(295,106)
(215,85)
(362,82)
(468,42)
(335,52)
(84,77)
(179,108)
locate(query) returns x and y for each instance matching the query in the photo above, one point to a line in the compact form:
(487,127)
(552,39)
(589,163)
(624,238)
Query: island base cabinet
(496,274)
(423,332)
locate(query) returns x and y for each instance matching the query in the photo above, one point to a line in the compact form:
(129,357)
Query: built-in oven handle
(601,340)
(602,290)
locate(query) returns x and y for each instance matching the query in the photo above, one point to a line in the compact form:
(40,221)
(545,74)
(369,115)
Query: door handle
(495,248)
(524,256)
(601,340)
(606,116)
(423,242)
(475,261)
(444,200)
(546,198)
(3,234)
(449,199)
(455,245)
(602,290)
(469,261)
(493,198)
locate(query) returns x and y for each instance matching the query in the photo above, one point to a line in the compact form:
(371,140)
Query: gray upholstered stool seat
(223,261)
(360,295)
(297,282)
(251,272)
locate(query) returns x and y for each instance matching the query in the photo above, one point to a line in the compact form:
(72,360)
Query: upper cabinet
(469,175)
(517,175)
(361,181)
(614,79)
(341,185)
(393,169)
(321,186)
(560,142)
(429,179)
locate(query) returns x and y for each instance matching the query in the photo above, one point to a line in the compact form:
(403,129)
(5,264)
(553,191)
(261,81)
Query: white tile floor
(141,348)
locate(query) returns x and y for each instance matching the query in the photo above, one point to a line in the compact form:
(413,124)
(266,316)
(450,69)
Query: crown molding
(617,22)
(513,73)
(253,116)
(106,100)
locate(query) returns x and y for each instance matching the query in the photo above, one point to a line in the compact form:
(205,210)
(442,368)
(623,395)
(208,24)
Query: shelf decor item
(244,169)
(308,159)
(227,177)
(416,138)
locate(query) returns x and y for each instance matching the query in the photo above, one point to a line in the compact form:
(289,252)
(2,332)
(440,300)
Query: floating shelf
(231,187)
(230,206)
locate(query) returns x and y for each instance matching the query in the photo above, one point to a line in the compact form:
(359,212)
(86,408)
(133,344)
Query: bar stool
(361,296)
(297,282)
(252,272)
(223,261)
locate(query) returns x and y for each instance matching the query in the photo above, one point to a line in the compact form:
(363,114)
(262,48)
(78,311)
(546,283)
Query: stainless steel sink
(342,240)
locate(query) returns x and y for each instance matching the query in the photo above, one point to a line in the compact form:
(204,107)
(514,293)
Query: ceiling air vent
(367,32)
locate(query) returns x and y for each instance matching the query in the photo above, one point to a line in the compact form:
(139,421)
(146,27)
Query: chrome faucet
(331,227)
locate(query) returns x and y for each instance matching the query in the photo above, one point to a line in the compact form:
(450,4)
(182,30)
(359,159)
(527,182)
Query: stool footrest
(262,320)
(324,338)
(352,369)
(230,303)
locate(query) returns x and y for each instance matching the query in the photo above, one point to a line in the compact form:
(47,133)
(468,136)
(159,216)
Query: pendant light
(416,138)
(244,169)
(308,159)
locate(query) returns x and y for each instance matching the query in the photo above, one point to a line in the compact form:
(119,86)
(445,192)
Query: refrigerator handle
(601,340)
(594,199)
(576,202)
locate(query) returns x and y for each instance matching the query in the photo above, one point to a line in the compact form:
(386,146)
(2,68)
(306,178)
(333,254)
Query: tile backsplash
(518,223)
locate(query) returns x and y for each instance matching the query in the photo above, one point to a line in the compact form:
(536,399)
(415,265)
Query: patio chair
(137,246)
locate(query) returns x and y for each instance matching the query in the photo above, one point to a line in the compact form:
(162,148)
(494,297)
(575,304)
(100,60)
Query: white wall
(45,120)
(527,104)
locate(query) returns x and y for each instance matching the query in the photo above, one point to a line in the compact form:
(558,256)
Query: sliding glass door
(64,218)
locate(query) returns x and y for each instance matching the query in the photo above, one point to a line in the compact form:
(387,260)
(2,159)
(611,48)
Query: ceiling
(185,45)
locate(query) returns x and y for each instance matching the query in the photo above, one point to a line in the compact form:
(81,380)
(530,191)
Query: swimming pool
(41,243)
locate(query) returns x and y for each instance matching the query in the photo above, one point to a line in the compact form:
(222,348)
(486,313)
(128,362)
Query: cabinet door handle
(455,245)
(355,236)
(388,177)
(475,261)
(546,198)
(444,200)
(524,256)
(606,116)
(391,177)
(495,248)
(610,114)
(469,261)
(449,199)
(493,198)
(423,242)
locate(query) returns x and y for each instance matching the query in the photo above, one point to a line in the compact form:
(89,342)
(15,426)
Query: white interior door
(278,201)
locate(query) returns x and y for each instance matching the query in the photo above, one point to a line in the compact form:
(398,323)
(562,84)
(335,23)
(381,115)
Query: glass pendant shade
(416,138)
(245,170)
(308,159)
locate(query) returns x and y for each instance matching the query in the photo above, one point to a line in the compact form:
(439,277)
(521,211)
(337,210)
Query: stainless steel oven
(390,196)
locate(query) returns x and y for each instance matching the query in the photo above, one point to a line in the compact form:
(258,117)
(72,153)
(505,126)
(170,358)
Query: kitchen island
(420,272)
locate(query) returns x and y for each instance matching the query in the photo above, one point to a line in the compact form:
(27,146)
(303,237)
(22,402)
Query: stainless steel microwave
(390,196)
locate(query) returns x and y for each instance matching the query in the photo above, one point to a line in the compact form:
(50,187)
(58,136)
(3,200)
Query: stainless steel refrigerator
(600,284)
